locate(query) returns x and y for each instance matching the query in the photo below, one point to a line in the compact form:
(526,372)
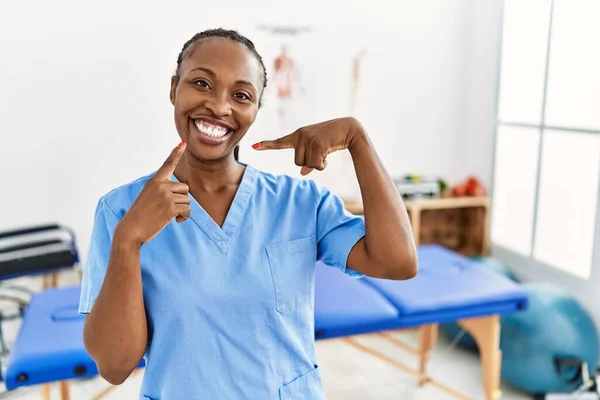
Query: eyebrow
(212,73)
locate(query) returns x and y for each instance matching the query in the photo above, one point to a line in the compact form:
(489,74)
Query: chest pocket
(292,266)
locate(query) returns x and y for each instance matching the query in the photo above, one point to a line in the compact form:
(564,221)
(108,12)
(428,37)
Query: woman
(205,266)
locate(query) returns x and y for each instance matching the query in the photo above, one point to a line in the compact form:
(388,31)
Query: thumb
(166,170)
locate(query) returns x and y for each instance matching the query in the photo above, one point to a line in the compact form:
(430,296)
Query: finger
(183,212)
(166,170)
(300,155)
(306,168)
(315,159)
(305,171)
(286,142)
(177,187)
(180,198)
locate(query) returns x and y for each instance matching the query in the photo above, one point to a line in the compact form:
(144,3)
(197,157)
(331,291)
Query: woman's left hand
(313,143)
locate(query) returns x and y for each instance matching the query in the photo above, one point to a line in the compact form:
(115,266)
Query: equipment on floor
(449,287)
(589,390)
(545,348)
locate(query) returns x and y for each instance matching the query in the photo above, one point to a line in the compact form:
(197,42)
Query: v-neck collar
(222,236)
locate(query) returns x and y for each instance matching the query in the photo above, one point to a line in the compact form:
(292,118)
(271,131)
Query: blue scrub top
(230,309)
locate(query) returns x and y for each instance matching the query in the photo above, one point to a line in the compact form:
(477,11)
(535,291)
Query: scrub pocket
(308,386)
(292,266)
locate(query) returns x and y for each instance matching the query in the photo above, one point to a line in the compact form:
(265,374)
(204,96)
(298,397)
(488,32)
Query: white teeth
(209,129)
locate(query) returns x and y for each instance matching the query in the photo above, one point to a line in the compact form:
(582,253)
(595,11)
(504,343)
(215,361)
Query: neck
(208,176)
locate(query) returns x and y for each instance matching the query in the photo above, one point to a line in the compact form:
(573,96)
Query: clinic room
(304,200)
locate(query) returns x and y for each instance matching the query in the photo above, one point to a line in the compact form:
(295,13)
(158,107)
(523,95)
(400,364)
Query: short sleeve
(337,230)
(96,262)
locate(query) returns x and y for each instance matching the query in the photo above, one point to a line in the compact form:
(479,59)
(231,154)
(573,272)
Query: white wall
(84,91)
(485,38)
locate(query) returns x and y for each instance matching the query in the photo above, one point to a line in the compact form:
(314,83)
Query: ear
(174,82)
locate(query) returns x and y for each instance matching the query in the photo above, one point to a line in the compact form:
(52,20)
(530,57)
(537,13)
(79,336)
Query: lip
(205,139)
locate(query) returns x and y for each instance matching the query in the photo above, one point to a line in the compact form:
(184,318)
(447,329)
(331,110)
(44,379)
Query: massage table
(49,346)
(448,288)
(58,356)
(38,250)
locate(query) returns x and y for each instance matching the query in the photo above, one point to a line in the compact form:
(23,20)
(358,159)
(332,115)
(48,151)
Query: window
(547,154)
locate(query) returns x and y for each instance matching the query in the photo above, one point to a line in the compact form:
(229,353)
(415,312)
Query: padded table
(50,346)
(448,288)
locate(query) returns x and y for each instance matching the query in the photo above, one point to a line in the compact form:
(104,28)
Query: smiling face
(216,97)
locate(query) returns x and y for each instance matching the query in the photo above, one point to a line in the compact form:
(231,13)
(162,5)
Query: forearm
(389,241)
(116,332)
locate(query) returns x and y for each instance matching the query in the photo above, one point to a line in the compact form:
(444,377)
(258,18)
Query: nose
(219,105)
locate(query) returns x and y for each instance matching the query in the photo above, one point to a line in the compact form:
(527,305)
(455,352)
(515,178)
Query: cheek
(185,100)
(247,117)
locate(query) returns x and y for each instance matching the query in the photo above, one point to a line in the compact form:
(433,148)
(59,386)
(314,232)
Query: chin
(209,155)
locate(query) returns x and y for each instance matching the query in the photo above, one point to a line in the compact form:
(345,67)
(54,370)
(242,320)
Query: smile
(212,130)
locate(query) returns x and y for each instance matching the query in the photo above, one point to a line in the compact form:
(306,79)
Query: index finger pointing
(168,167)
(286,142)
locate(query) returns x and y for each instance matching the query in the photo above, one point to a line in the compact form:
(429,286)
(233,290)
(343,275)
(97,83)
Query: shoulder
(285,187)
(119,199)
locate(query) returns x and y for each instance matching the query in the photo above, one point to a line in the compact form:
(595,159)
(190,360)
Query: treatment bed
(449,287)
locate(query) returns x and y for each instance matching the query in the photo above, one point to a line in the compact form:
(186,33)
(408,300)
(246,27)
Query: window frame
(531,268)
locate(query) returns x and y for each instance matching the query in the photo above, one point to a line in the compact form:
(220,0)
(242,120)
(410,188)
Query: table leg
(415,223)
(46,391)
(50,281)
(486,332)
(65,394)
(54,281)
(428,336)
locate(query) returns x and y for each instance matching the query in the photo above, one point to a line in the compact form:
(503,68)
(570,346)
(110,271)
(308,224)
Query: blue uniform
(230,309)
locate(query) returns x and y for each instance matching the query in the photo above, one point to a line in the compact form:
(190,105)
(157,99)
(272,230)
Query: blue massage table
(49,346)
(40,250)
(448,287)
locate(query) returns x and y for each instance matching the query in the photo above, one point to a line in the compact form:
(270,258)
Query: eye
(201,83)
(242,96)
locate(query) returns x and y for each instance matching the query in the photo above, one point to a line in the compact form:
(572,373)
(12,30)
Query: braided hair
(191,44)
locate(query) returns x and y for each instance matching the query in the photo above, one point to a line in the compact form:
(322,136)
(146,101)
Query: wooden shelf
(448,202)
(458,223)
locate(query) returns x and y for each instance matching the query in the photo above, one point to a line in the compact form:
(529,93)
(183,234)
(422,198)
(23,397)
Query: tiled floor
(348,373)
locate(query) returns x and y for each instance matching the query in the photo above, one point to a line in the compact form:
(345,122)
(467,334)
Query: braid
(191,44)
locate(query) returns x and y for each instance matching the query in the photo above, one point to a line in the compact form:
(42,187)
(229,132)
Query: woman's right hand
(158,203)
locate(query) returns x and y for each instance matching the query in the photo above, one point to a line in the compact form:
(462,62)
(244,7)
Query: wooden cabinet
(458,223)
